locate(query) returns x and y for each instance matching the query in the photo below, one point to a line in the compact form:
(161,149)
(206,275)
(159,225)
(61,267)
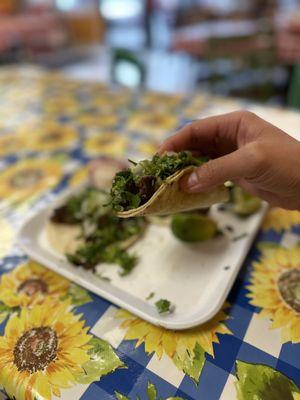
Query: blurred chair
(127,68)
(294,89)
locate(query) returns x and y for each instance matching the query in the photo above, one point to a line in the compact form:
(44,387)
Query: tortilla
(170,199)
(64,239)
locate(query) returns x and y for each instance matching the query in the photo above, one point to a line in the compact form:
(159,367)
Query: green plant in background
(294,93)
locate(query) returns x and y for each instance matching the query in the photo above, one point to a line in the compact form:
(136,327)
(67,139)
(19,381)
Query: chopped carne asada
(134,186)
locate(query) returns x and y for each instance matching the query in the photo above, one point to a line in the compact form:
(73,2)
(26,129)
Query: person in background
(288,40)
(288,52)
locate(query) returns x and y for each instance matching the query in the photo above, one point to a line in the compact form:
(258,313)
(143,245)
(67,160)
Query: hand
(244,149)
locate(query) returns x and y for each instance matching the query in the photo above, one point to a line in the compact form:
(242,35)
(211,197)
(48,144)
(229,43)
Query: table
(57,340)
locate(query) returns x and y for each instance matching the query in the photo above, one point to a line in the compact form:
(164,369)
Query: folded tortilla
(170,199)
(65,239)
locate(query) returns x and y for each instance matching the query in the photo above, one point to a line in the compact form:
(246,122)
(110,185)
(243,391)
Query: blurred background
(245,48)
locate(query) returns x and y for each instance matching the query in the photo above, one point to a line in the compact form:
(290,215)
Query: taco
(89,233)
(151,187)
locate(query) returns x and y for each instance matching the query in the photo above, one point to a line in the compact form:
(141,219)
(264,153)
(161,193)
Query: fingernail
(192,180)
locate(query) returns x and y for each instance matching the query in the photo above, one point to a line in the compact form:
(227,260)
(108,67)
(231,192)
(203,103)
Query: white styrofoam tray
(196,278)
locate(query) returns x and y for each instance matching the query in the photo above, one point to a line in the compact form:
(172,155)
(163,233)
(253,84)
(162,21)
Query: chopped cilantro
(134,186)
(163,306)
(86,205)
(239,237)
(113,254)
(150,296)
(86,256)
(102,232)
(104,278)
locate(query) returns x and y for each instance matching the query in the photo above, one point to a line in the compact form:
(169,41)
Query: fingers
(234,166)
(275,200)
(212,136)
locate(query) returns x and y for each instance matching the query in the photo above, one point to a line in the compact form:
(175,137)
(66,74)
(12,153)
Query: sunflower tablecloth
(57,340)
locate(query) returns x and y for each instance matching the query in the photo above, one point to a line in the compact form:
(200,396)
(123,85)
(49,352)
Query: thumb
(215,172)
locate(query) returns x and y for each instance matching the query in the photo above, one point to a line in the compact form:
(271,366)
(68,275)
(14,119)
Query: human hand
(246,150)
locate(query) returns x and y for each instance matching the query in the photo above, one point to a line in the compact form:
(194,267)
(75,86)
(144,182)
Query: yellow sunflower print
(275,287)
(80,176)
(22,125)
(30,284)
(42,350)
(11,144)
(59,104)
(195,106)
(157,100)
(149,148)
(51,136)
(279,219)
(104,120)
(173,343)
(92,88)
(59,82)
(225,103)
(109,143)
(156,123)
(28,177)
(108,100)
